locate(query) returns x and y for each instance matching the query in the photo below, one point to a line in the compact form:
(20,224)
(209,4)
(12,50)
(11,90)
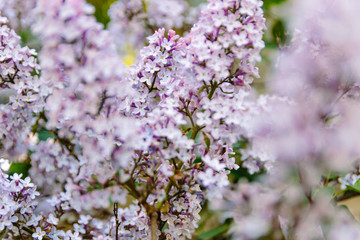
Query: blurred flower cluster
(146,151)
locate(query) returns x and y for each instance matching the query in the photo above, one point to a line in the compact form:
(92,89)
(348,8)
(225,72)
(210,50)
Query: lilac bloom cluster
(159,82)
(226,42)
(169,98)
(17,213)
(156,76)
(19,82)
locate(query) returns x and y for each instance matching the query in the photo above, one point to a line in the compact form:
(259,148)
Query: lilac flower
(209,41)
(39,234)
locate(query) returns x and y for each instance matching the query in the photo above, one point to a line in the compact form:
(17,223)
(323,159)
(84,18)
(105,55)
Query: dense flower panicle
(170,96)
(215,96)
(157,75)
(19,208)
(226,42)
(18,80)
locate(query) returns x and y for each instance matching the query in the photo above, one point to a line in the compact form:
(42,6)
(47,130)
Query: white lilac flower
(39,234)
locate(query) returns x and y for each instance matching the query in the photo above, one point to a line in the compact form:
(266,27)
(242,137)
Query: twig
(153,224)
(212,90)
(117,222)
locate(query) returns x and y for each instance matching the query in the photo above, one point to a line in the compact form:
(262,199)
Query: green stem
(202,89)
(144,6)
(195,131)
(190,116)
(212,90)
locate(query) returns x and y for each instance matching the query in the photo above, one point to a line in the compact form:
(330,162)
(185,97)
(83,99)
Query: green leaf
(45,134)
(270,3)
(243,173)
(213,232)
(20,167)
(198,160)
(355,187)
(101,10)
(328,190)
(279,32)
(241,144)
(195,3)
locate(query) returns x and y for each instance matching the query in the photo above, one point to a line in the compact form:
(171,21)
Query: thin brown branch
(153,225)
